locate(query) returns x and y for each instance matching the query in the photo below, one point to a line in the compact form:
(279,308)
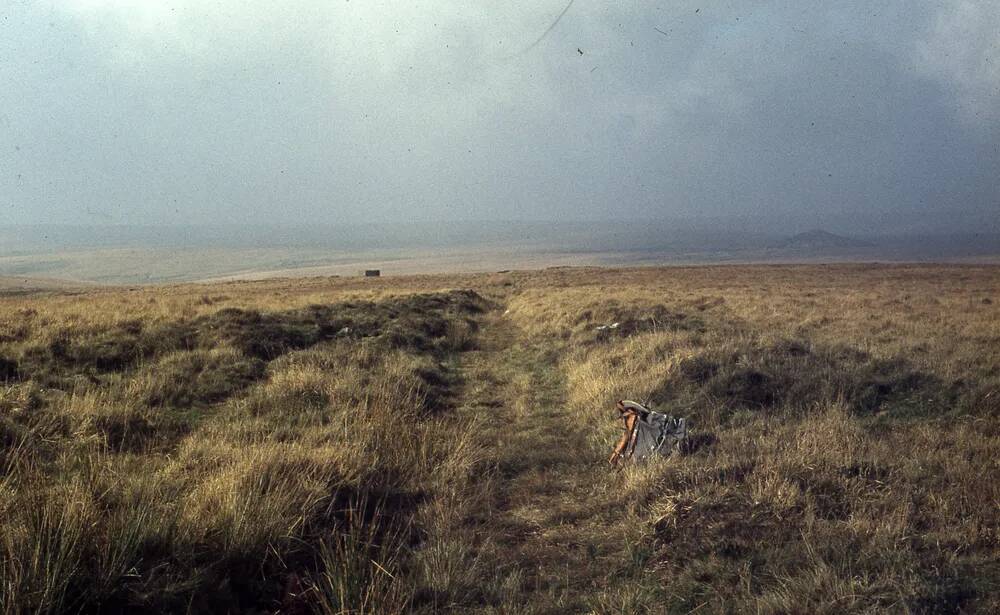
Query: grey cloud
(355,111)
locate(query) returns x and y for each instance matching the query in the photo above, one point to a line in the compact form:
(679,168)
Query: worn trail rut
(549,540)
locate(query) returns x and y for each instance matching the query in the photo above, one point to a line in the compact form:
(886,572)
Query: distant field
(435,443)
(32,285)
(159,266)
(151,255)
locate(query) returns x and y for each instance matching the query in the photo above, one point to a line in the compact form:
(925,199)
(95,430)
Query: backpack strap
(633,437)
(626,445)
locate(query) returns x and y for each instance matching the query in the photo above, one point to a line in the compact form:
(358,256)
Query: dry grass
(846,454)
(221,458)
(380,446)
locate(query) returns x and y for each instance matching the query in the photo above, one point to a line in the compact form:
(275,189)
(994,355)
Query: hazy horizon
(157,254)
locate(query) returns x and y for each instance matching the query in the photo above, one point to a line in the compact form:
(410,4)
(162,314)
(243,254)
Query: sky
(855,116)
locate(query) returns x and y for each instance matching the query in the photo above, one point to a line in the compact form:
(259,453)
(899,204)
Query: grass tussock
(793,374)
(842,460)
(232,460)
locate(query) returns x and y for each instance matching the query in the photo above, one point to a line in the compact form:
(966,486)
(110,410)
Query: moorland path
(549,540)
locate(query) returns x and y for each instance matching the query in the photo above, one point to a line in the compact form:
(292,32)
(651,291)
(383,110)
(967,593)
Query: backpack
(647,433)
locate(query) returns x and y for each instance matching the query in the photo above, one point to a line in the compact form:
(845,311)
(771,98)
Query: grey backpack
(648,433)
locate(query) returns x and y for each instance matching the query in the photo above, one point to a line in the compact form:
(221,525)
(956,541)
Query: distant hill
(815,239)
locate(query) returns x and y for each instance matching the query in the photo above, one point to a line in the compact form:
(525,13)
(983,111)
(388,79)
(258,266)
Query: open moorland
(439,443)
